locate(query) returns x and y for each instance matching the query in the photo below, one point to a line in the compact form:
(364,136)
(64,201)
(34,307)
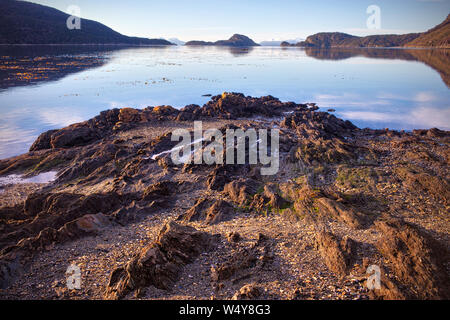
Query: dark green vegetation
(28,23)
(436,37)
(236,40)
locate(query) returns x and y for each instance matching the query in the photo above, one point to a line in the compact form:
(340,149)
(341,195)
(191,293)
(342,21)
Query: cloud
(421,117)
(61,117)
(424,97)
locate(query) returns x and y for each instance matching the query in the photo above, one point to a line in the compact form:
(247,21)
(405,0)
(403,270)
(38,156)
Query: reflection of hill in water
(240,51)
(438,59)
(28,65)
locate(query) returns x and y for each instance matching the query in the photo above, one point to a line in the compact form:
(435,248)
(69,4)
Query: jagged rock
(248,292)
(75,135)
(88,224)
(311,124)
(337,254)
(236,105)
(241,191)
(218,178)
(166,162)
(57,217)
(160,263)
(9,270)
(340,212)
(210,211)
(269,199)
(78,134)
(197,212)
(432,133)
(133,211)
(316,150)
(436,186)
(243,263)
(233,237)
(238,263)
(418,261)
(220,211)
(159,190)
(43,141)
(129,115)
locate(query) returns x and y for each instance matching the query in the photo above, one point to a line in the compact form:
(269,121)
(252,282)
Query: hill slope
(237,40)
(439,36)
(343,40)
(29,23)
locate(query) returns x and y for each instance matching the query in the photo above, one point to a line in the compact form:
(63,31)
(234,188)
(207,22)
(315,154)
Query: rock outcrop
(417,260)
(159,263)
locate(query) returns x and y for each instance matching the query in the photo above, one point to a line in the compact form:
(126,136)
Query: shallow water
(376,88)
(44,177)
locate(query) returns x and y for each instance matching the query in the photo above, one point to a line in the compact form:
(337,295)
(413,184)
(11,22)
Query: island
(237,40)
(437,37)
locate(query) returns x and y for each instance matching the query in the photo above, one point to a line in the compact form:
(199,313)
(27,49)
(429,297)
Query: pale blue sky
(259,19)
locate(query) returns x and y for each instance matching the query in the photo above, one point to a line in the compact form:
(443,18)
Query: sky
(261,20)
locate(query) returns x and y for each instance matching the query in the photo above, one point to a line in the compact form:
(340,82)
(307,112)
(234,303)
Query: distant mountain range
(177,41)
(29,23)
(436,37)
(277,43)
(236,40)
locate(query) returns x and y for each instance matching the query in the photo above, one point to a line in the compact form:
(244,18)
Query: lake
(48,87)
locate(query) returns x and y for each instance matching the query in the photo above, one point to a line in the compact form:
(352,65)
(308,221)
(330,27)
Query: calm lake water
(44,88)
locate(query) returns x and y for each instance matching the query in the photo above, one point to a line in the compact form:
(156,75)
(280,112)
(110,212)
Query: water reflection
(375,88)
(23,65)
(239,51)
(438,59)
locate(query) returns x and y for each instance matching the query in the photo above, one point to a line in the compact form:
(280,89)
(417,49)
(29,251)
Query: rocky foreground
(141,227)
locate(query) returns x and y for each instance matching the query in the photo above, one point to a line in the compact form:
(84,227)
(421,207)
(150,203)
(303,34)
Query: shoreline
(344,198)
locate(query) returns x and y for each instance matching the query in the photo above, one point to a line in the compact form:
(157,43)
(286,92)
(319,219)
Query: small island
(236,40)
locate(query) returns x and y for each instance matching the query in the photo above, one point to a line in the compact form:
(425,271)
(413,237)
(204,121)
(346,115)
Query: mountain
(438,37)
(236,40)
(29,23)
(177,41)
(343,40)
(277,43)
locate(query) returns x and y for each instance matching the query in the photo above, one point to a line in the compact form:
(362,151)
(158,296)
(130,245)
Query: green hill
(29,23)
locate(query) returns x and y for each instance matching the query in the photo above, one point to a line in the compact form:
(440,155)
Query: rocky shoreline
(141,227)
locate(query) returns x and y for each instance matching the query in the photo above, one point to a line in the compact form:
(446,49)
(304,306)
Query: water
(44,177)
(56,86)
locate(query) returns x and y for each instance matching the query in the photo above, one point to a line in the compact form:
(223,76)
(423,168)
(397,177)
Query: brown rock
(417,260)
(210,211)
(340,212)
(337,254)
(160,263)
(241,191)
(248,292)
(233,237)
